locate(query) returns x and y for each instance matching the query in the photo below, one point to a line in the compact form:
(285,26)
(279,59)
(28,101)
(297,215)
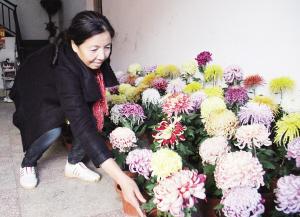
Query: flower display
(159,84)
(123,88)
(203,58)
(150,68)
(139,161)
(131,111)
(148,78)
(115,113)
(214,91)
(221,122)
(255,113)
(138,81)
(174,71)
(192,87)
(162,71)
(210,104)
(212,72)
(177,103)
(123,79)
(253,80)
(176,85)
(121,138)
(290,104)
(288,194)
(117,99)
(179,191)
(255,134)
(238,168)
(197,98)
(287,128)
(119,74)
(242,201)
(233,73)
(236,93)
(189,67)
(212,149)
(164,162)
(130,79)
(293,150)
(278,85)
(169,132)
(267,100)
(113,90)
(131,94)
(135,69)
(150,96)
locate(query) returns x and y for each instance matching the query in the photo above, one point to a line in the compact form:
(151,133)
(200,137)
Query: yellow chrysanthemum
(162,71)
(173,70)
(212,72)
(135,69)
(131,94)
(123,88)
(164,162)
(214,91)
(117,99)
(189,67)
(269,101)
(136,93)
(192,87)
(211,104)
(108,93)
(278,85)
(148,79)
(287,128)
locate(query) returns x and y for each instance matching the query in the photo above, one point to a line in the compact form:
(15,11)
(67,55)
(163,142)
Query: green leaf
(267,165)
(209,169)
(219,207)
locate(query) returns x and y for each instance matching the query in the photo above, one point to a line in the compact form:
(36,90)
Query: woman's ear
(74,46)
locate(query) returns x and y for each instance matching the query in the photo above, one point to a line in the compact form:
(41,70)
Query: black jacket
(45,96)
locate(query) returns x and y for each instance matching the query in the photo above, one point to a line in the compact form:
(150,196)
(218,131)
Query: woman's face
(95,50)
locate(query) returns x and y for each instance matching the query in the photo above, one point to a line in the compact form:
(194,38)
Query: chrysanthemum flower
(212,149)
(236,93)
(123,79)
(287,128)
(216,91)
(197,98)
(189,67)
(255,113)
(192,87)
(162,71)
(131,94)
(174,71)
(203,58)
(253,80)
(278,85)
(293,150)
(210,104)
(177,103)
(117,99)
(168,132)
(221,122)
(135,69)
(267,100)
(288,194)
(133,109)
(115,113)
(176,85)
(130,79)
(139,161)
(159,84)
(113,90)
(238,169)
(150,97)
(123,88)
(233,73)
(256,134)
(121,138)
(119,74)
(164,162)
(148,78)
(290,104)
(179,191)
(212,72)
(138,81)
(149,68)
(242,201)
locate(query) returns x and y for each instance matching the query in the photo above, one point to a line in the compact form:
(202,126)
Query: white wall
(260,36)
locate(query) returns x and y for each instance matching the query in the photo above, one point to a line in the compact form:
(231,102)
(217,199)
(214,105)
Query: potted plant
(51,7)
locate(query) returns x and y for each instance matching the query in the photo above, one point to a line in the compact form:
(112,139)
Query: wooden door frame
(98,6)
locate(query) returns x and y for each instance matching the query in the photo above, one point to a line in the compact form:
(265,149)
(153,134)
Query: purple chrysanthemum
(123,79)
(176,85)
(133,109)
(139,161)
(114,89)
(236,93)
(293,150)
(233,73)
(203,58)
(150,68)
(256,113)
(159,83)
(197,98)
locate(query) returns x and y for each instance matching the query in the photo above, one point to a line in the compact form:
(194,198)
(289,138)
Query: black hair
(84,25)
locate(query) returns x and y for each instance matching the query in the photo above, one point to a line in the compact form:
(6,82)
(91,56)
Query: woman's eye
(94,50)
(107,47)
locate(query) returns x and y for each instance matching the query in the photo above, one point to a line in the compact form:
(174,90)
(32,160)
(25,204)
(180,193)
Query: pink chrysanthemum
(293,150)
(139,161)
(203,58)
(114,89)
(159,84)
(255,113)
(255,134)
(180,190)
(121,138)
(149,68)
(177,103)
(238,169)
(288,194)
(236,93)
(133,109)
(233,73)
(212,149)
(197,98)
(176,85)
(242,201)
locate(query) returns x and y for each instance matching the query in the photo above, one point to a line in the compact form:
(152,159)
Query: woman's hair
(84,25)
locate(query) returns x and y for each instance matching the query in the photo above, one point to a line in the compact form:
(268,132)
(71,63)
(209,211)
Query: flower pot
(207,207)
(269,203)
(128,173)
(152,213)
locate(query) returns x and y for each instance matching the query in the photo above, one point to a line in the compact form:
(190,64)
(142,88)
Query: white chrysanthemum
(115,113)
(150,96)
(176,85)
(189,67)
(138,81)
(120,74)
(197,98)
(290,104)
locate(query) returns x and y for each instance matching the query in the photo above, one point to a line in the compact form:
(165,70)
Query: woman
(67,80)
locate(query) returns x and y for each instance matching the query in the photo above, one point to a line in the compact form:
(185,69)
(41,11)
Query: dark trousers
(41,144)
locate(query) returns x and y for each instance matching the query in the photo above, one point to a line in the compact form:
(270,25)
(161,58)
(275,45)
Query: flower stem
(254,149)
